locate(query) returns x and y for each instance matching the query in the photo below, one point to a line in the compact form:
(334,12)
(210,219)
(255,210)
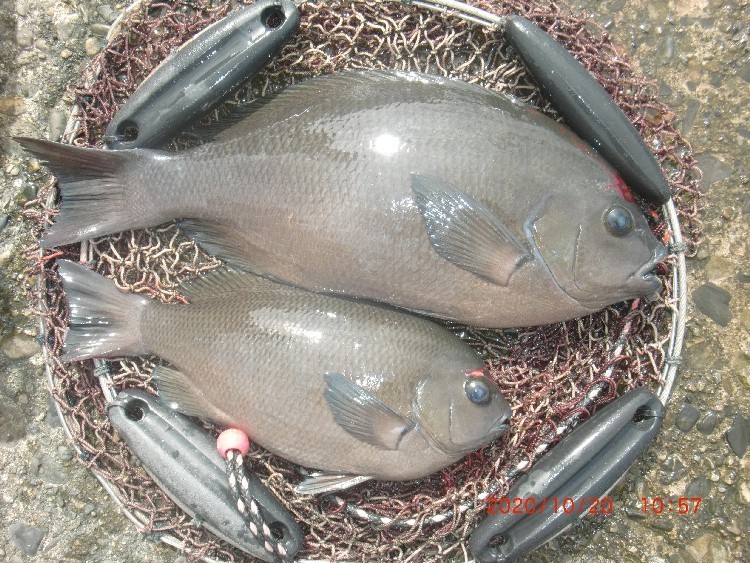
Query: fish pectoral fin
(219,241)
(465,232)
(363,415)
(178,393)
(328,483)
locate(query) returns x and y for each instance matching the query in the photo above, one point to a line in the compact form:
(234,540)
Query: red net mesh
(553,376)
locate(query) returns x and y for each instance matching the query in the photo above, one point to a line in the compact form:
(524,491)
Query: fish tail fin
(104,321)
(100,192)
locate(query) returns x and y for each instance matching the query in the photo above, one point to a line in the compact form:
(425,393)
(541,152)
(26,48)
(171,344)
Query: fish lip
(645,272)
(501,428)
(502,425)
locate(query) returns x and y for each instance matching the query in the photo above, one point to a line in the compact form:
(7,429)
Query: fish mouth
(643,281)
(646,273)
(500,428)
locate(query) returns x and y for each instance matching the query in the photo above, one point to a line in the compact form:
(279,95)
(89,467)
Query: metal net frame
(553,376)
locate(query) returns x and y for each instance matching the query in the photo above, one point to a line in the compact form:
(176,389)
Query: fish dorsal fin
(219,241)
(231,126)
(363,415)
(296,99)
(328,483)
(266,111)
(178,393)
(466,233)
(221,281)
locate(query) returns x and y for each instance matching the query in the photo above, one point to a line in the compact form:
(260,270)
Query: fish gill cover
(553,376)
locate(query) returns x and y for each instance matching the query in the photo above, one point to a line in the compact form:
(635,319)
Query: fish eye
(478,391)
(619,221)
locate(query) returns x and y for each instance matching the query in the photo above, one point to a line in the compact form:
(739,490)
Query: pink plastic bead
(232,439)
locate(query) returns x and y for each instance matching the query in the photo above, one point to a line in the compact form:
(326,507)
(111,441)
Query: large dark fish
(359,391)
(426,193)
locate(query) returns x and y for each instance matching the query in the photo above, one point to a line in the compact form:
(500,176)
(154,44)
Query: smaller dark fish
(585,465)
(356,390)
(588,109)
(202,73)
(183,460)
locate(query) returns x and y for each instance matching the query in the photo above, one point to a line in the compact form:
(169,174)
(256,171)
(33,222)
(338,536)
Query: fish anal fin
(363,415)
(328,482)
(466,233)
(218,240)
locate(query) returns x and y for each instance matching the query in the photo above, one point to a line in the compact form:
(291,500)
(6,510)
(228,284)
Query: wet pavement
(695,51)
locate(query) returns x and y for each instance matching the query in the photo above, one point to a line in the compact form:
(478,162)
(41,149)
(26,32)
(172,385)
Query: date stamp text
(532,505)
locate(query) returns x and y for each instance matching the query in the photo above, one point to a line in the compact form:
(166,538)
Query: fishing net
(553,376)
